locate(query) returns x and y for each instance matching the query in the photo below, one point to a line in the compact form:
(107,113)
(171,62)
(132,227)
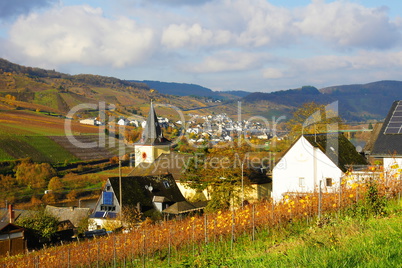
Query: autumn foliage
(159,238)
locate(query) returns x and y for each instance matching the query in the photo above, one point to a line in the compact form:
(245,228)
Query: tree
(34,175)
(220,171)
(43,224)
(130,216)
(7,182)
(55,184)
(311,118)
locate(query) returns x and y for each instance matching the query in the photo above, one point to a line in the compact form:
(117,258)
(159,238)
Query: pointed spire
(152,133)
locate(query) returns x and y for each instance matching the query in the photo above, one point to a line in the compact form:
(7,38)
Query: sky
(251,45)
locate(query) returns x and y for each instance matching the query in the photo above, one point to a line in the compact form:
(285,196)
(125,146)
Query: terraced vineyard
(97,152)
(43,138)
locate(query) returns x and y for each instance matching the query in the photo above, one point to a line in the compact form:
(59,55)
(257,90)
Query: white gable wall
(392,166)
(303,161)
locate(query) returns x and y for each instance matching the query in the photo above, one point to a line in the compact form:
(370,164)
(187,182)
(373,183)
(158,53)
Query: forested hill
(356,102)
(184,89)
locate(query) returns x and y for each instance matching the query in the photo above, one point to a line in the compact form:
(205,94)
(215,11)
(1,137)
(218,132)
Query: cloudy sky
(252,45)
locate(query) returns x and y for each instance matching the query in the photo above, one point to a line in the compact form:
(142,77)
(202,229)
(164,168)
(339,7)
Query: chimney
(11,213)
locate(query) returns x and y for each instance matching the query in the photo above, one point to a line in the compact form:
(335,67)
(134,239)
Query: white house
(91,121)
(311,160)
(388,145)
(123,122)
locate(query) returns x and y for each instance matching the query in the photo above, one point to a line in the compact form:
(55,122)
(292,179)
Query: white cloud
(213,40)
(81,34)
(272,73)
(345,24)
(226,61)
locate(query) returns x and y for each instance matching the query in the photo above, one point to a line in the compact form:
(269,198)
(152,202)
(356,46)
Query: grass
(341,242)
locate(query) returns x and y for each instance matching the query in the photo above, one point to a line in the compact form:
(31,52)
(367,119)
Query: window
(108,198)
(108,208)
(167,185)
(328,182)
(301,182)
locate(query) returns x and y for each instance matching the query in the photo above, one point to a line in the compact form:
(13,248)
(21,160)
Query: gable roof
(6,227)
(389,144)
(73,214)
(183,207)
(152,134)
(135,189)
(5,217)
(337,148)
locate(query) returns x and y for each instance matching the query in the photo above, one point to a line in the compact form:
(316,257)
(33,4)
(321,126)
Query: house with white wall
(388,145)
(314,160)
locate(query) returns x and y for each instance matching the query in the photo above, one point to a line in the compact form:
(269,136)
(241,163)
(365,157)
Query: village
(157,187)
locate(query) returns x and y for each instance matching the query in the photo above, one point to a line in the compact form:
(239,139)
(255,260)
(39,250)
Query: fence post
(169,248)
(253,217)
(68,258)
(232,238)
(144,249)
(340,194)
(193,237)
(319,200)
(206,228)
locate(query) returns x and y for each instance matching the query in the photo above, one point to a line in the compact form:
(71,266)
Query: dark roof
(4,217)
(183,207)
(152,134)
(73,214)
(388,144)
(135,190)
(368,147)
(6,227)
(337,148)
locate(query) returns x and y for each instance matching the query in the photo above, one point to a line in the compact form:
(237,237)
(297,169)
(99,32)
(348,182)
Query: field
(43,138)
(348,231)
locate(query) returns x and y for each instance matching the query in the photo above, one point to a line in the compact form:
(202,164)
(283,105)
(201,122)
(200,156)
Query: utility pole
(242,185)
(120,189)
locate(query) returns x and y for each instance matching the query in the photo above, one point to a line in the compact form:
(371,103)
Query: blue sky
(252,45)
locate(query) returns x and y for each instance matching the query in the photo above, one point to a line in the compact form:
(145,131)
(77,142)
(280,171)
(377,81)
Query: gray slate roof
(388,145)
(135,189)
(73,214)
(337,148)
(152,134)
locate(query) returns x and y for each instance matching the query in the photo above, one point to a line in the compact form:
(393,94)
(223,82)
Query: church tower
(152,143)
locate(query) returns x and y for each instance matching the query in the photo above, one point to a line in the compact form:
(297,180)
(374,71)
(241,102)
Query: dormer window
(166,184)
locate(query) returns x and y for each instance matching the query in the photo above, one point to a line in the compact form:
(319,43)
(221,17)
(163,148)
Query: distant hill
(48,90)
(52,91)
(183,89)
(355,102)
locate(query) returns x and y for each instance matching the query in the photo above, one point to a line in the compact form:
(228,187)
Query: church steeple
(152,143)
(152,134)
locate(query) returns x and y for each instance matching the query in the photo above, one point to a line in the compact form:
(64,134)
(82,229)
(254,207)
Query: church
(152,194)
(152,143)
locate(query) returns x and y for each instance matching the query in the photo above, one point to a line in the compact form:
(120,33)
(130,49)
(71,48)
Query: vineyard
(163,240)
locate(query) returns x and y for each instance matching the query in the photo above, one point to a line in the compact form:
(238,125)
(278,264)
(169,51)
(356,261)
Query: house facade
(147,194)
(314,161)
